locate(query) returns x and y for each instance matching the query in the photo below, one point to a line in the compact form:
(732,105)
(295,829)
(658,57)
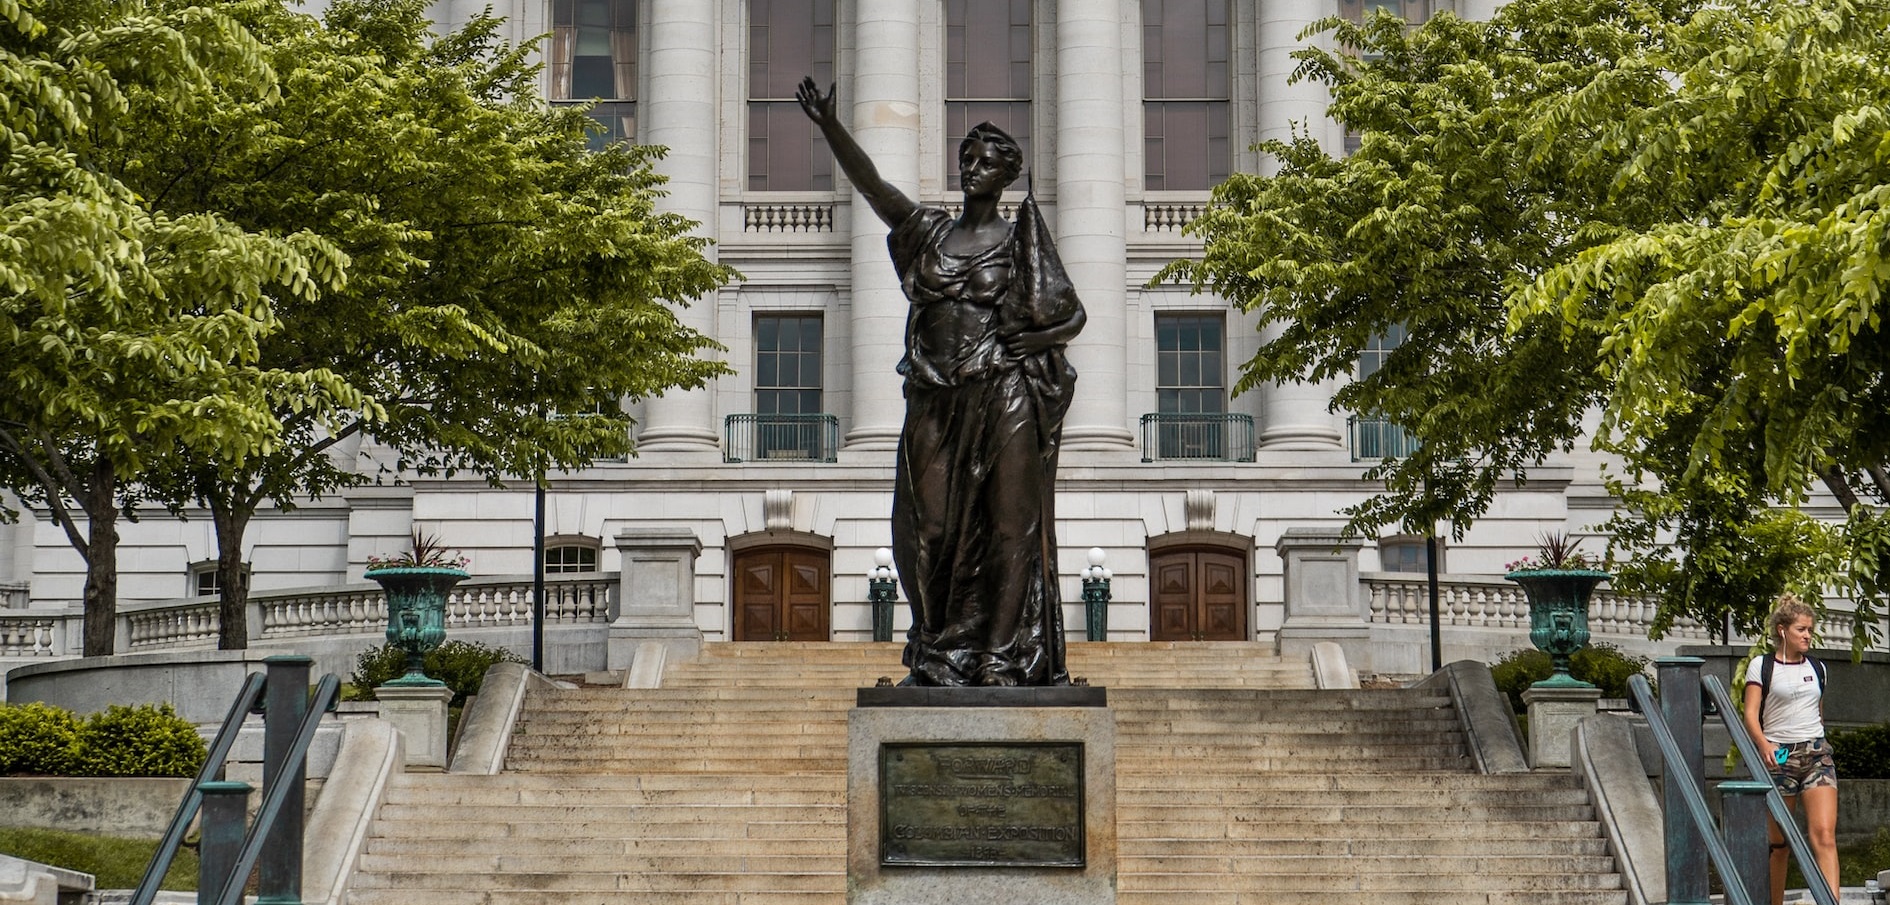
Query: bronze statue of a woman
(987,385)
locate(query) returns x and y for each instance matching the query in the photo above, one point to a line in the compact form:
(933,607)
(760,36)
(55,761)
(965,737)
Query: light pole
(882,588)
(1096,596)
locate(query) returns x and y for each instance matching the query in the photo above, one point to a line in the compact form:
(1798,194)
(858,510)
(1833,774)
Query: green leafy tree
(1741,334)
(506,286)
(127,332)
(1667,210)
(1454,199)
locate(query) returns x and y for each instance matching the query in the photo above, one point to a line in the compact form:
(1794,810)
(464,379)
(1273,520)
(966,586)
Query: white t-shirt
(1791,704)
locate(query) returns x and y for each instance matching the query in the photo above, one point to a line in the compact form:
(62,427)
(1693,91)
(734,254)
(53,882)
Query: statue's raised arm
(892,205)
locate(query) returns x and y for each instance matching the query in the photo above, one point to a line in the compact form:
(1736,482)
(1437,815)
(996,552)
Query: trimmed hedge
(1862,753)
(461,665)
(146,740)
(1603,665)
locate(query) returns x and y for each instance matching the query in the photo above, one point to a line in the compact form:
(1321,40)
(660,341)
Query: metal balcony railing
(1376,438)
(781,438)
(1199,436)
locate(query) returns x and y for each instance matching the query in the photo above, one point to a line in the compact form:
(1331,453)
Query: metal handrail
(212,767)
(1678,774)
(1774,802)
(326,691)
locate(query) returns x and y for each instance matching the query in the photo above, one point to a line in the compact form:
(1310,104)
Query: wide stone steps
(1237,784)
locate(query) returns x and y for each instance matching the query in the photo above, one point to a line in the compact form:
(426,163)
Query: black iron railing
(781,438)
(1197,436)
(1376,438)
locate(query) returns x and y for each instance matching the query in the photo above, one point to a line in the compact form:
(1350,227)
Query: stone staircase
(1236,783)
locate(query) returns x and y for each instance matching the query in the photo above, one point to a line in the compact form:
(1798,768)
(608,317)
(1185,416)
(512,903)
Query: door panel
(782,594)
(1200,595)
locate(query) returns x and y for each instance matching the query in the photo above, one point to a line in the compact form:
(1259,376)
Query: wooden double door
(1200,594)
(782,594)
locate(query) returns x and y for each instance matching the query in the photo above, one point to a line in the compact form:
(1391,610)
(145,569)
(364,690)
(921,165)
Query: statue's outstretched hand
(817,106)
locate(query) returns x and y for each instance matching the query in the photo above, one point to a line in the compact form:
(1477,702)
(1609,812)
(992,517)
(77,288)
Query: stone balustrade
(312,612)
(812,217)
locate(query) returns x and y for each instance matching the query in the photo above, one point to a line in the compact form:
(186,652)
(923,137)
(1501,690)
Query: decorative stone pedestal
(418,713)
(1553,712)
(981,795)
(1323,602)
(656,597)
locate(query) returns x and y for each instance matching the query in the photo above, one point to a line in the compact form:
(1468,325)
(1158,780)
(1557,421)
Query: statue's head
(985,136)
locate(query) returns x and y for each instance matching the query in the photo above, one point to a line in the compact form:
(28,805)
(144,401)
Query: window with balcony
(593,57)
(987,72)
(1187,94)
(1191,420)
(787,422)
(787,39)
(1374,436)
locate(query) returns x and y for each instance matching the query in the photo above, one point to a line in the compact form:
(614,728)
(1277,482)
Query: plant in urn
(1558,580)
(417,583)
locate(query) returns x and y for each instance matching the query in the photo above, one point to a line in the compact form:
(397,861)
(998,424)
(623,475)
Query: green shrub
(147,740)
(1862,753)
(461,665)
(1603,665)
(36,739)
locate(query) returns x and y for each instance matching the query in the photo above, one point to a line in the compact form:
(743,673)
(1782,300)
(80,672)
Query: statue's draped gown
(973,517)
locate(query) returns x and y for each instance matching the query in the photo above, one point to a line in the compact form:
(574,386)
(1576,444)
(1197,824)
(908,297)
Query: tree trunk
(232,520)
(1840,487)
(101,562)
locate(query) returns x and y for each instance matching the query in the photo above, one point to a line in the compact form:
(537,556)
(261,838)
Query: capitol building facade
(778,479)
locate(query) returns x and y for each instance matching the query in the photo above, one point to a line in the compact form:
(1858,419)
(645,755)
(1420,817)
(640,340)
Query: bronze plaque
(981,804)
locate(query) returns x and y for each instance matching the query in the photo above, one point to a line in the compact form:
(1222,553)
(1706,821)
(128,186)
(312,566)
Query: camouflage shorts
(1807,766)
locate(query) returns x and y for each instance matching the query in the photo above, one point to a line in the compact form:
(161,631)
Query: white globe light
(1096,556)
(882,557)
(1106,574)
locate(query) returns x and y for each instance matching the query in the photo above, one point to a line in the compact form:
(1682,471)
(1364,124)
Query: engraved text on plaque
(981,805)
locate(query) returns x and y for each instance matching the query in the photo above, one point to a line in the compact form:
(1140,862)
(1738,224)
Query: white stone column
(679,113)
(1293,416)
(885,96)
(1090,139)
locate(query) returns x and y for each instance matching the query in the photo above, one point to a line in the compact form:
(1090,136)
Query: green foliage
(1669,210)
(116,862)
(486,249)
(128,331)
(1862,753)
(461,665)
(1741,330)
(145,740)
(1602,665)
(1454,198)
(36,739)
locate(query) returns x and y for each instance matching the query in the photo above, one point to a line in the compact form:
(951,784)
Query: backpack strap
(1765,683)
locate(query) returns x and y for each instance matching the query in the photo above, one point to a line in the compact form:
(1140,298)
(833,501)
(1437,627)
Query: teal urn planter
(416,613)
(1558,615)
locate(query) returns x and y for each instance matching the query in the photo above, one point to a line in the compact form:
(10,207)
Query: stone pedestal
(983,777)
(656,599)
(1553,712)
(1323,601)
(418,713)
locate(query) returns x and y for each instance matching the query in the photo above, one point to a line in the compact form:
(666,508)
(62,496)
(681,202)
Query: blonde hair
(1787,609)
